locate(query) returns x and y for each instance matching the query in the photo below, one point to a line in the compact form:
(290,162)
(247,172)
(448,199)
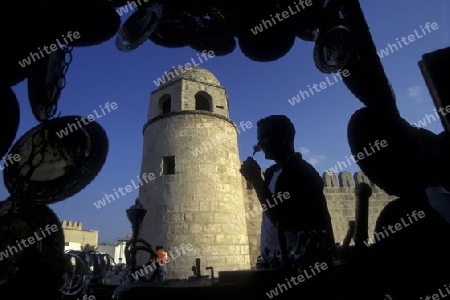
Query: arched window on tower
(165,104)
(203,101)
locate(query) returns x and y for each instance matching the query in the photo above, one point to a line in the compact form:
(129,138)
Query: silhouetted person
(409,260)
(291,191)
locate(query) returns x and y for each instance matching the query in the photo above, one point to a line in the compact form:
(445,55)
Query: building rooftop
(193,73)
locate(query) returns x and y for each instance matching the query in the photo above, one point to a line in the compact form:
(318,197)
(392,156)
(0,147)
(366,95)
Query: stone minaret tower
(190,144)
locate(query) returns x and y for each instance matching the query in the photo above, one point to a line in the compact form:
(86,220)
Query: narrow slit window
(168,165)
(165,104)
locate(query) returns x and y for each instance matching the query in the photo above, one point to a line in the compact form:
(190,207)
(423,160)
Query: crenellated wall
(340,194)
(73,233)
(71,225)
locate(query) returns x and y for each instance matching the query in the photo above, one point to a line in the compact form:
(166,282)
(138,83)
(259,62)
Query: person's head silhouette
(276,135)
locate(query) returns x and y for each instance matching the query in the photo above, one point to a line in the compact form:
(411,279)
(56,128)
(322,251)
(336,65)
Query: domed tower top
(188,89)
(194,73)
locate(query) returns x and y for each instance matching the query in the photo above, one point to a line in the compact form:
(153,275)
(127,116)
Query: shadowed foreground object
(46,21)
(32,251)
(216,36)
(407,263)
(203,25)
(410,239)
(269,45)
(327,57)
(408,151)
(45,83)
(138,27)
(55,163)
(433,67)
(9,122)
(176,29)
(54,166)
(96,20)
(77,23)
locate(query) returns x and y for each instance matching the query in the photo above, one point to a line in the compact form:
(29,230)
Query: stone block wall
(198,201)
(253,220)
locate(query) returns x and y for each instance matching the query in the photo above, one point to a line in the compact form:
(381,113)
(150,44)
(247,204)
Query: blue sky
(102,73)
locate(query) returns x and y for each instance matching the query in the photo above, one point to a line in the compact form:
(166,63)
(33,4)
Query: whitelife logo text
(149,268)
(71,127)
(281,16)
(33,57)
(397,227)
(183,68)
(22,244)
(257,210)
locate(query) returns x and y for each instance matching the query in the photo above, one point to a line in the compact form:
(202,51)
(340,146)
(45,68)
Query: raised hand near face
(251,171)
